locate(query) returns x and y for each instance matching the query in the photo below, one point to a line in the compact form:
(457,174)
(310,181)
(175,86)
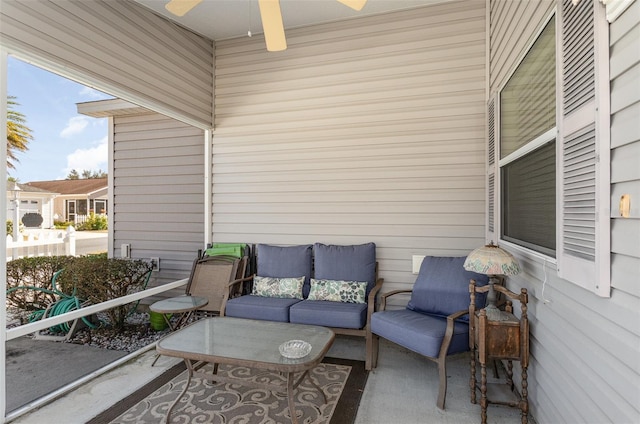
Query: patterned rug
(205,402)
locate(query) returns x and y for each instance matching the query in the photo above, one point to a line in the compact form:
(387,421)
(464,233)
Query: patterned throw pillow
(290,288)
(338,291)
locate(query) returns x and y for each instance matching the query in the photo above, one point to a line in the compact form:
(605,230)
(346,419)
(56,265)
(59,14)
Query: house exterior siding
(157,191)
(366,130)
(584,348)
(118,47)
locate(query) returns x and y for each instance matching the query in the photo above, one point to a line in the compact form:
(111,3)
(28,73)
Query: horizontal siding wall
(158,189)
(584,348)
(118,47)
(625,179)
(364,130)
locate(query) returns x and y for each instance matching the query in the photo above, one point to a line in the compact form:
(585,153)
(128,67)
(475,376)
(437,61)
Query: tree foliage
(85,174)
(18,134)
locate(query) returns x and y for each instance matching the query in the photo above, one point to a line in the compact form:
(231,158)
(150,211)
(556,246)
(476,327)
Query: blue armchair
(435,322)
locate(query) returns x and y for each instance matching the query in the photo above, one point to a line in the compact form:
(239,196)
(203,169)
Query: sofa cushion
(258,307)
(348,263)
(329,314)
(442,287)
(338,291)
(290,288)
(419,332)
(285,262)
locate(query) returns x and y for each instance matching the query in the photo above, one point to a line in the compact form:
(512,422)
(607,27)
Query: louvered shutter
(583,242)
(492,136)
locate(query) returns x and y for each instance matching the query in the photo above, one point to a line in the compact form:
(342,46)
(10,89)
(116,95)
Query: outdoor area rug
(205,402)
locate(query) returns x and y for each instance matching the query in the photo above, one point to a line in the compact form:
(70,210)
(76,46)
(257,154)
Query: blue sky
(62,139)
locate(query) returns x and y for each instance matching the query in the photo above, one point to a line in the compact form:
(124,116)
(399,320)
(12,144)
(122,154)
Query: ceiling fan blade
(272,25)
(181,7)
(354,4)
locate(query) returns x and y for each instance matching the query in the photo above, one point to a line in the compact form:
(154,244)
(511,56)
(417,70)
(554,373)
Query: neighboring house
(394,129)
(76,199)
(31,200)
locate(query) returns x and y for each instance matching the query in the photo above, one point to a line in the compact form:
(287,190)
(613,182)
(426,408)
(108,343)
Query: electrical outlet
(416,263)
(155,262)
(125,250)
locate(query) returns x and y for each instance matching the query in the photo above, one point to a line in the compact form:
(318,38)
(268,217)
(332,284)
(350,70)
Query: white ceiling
(222,19)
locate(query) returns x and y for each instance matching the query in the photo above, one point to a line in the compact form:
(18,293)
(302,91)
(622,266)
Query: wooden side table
(507,339)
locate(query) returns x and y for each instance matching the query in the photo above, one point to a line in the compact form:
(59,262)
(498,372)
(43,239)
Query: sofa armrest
(234,285)
(232,288)
(384,296)
(371,299)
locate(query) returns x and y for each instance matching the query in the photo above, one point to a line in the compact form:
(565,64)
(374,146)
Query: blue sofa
(329,285)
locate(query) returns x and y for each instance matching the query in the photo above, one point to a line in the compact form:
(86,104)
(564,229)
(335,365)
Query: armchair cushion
(419,332)
(442,287)
(348,263)
(338,291)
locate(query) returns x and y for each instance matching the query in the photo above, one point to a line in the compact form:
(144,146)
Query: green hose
(63,306)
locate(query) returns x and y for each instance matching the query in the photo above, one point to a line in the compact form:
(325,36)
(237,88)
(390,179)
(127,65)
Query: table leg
(290,398)
(472,379)
(186,387)
(314,384)
(524,402)
(483,393)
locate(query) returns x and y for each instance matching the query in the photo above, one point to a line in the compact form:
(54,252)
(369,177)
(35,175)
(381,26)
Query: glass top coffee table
(250,343)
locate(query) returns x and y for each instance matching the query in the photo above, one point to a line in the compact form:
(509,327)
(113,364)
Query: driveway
(91,242)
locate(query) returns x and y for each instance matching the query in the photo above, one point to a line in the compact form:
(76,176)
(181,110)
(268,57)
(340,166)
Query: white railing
(23,330)
(49,243)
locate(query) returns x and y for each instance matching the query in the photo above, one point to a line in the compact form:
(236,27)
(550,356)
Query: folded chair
(435,322)
(210,277)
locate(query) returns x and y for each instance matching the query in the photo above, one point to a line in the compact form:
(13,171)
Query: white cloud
(92,159)
(91,93)
(76,125)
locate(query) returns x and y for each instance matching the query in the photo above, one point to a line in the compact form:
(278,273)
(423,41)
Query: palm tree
(18,134)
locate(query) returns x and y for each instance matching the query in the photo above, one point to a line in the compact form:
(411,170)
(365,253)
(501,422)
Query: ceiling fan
(269,13)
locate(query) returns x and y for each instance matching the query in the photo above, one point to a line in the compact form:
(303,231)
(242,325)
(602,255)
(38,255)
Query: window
(548,146)
(528,148)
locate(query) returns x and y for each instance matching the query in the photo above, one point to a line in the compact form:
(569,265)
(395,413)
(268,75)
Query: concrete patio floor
(402,389)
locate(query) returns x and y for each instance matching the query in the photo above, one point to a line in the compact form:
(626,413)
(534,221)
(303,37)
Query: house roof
(81,186)
(25,188)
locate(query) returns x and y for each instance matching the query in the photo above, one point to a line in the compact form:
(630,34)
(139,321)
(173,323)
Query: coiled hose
(62,306)
(65,304)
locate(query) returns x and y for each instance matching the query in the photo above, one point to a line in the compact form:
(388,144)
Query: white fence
(44,243)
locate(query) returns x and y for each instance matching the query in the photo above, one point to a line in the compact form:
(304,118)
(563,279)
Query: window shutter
(491,170)
(583,236)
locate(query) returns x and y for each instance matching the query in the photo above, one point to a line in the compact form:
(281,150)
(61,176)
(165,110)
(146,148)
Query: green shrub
(62,225)
(9,227)
(35,272)
(97,279)
(94,222)
(93,278)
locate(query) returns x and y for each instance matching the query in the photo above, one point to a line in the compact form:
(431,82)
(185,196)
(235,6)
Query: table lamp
(491,260)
